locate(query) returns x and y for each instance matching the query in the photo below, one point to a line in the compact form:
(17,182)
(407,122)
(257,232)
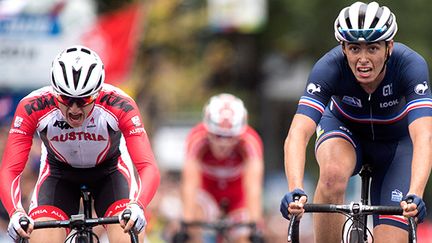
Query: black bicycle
(82,224)
(356,212)
(221,229)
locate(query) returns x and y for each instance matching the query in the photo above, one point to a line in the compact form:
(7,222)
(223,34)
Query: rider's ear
(390,45)
(343,47)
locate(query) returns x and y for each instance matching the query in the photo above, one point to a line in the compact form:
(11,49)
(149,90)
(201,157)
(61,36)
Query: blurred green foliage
(179,53)
(180,58)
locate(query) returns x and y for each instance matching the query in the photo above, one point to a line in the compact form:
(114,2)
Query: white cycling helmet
(77,72)
(363,22)
(225,115)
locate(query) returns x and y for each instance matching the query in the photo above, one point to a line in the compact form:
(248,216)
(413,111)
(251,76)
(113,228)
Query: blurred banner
(244,16)
(33,32)
(28,43)
(115,37)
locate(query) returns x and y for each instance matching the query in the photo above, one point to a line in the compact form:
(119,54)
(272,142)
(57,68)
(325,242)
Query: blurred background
(172,55)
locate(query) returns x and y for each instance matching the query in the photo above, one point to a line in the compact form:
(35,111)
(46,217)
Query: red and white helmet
(225,115)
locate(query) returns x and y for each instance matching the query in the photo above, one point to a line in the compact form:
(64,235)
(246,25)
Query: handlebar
(75,221)
(219,225)
(78,221)
(353,209)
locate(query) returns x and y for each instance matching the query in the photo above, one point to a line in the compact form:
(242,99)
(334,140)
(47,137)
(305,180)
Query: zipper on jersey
(371,116)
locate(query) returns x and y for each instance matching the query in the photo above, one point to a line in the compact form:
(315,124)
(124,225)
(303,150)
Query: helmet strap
(387,56)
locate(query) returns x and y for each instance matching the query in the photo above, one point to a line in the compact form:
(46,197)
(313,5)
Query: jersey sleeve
(253,144)
(418,93)
(195,142)
(16,154)
(140,151)
(319,88)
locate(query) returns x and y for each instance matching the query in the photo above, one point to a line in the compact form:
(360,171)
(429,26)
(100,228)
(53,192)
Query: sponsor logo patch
(420,89)
(312,88)
(18,122)
(396,195)
(136,121)
(352,101)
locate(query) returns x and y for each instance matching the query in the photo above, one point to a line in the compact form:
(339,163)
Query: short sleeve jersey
(403,95)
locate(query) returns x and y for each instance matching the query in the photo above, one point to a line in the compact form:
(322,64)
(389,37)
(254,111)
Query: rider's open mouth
(74,116)
(364,70)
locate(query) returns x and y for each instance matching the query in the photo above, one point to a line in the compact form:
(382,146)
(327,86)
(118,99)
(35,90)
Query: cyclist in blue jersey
(369,101)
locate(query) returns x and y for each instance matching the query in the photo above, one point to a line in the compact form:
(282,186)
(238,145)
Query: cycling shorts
(59,192)
(390,160)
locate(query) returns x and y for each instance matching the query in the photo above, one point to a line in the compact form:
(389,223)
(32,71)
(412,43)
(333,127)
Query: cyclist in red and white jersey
(223,171)
(92,136)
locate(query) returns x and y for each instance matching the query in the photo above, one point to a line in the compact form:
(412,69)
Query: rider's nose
(74,106)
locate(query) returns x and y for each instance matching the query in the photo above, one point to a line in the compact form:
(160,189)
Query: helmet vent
(85,50)
(87,93)
(65,91)
(76,77)
(89,74)
(62,65)
(361,16)
(71,50)
(99,82)
(374,22)
(53,80)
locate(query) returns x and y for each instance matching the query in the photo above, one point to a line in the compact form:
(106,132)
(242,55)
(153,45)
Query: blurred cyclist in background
(369,100)
(223,172)
(92,135)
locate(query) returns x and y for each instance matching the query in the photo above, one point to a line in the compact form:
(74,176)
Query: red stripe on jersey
(104,152)
(45,172)
(63,159)
(400,219)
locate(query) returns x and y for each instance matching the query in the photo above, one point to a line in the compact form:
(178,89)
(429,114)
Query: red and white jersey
(223,177)
(112,131)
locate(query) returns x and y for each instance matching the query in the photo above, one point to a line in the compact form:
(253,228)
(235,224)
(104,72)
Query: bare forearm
(420,169)
(189,189)
(294,164)
(295,150)
(188,194)
(421,135)
(253,183)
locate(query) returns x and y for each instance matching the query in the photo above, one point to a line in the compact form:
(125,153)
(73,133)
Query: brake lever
(292,222)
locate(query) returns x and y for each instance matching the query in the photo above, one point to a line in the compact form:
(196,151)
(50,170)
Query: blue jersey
(402,96)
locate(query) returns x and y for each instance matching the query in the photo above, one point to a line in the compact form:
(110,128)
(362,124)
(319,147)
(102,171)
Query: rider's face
(367,60)
(221,146)
(75,115)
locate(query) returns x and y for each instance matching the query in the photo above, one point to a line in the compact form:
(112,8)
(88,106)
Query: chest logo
(352,101)
(80,136)
(388,90)
(62,125)
(389,103)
